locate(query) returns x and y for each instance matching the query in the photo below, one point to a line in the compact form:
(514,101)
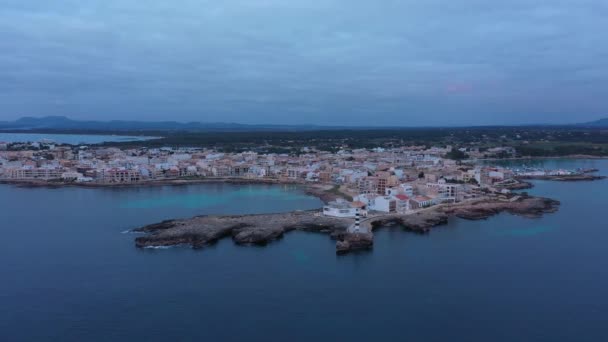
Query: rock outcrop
(243,229)
(566,178)
(523,206)
(420,222)
(516,185)
(354,242)
(201,231)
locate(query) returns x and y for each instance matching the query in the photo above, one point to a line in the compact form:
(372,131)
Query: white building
(445,192)
(339,208)
(386,204)
(71,175)
(403,203)
(27,172)
(421,202)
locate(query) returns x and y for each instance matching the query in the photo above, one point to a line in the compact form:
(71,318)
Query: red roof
(358,204)
(402,197)
(422,199)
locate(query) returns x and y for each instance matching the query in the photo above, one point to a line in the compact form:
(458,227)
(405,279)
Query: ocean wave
(159,247)
(130,231)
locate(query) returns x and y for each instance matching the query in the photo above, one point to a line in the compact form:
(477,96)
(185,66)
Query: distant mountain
(64,123)
(596,123)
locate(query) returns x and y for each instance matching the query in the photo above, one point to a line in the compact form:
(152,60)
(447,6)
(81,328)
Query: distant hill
(64,123)
(596,123)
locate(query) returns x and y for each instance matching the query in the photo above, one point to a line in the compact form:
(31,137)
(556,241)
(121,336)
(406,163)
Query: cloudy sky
(357,62)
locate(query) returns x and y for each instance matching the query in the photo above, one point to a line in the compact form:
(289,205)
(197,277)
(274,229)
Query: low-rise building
(403,203)
(340,208)
(386,204)
(419,202)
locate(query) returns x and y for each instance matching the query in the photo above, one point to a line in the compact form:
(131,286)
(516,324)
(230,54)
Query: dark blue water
(68,274)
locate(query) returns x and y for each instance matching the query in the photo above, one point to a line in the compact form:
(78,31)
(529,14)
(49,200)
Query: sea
(72,139)
(71,272)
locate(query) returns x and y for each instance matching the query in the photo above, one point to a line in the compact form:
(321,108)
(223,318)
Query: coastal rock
(157,226)
(518,185)
(201,231)
(354,242)
(423,221)
(244,229)
(590,170)
(566,178)
(420,222)
(523,206)
(180,234)
(256,236)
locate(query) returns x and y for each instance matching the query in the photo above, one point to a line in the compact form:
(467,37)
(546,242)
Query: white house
(339,208)
(386,204)
(392,191)
(403,203)
(378,203)
(407,189)
(404,189)
(421,202)
(366,199)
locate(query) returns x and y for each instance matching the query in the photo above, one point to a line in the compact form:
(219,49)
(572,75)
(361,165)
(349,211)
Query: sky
(328,62)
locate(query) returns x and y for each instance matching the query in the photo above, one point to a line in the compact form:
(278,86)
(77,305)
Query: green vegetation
(528,141)
(456,154)
(557,149)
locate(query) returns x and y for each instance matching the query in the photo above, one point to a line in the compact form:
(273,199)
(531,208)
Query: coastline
(564,178)
(571,156)
(321,191)
(151,183)
(261,229)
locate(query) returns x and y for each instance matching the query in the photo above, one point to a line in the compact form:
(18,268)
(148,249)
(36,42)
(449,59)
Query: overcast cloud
(352,62)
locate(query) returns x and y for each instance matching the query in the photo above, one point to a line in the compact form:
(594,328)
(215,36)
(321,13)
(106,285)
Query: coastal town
(384,180)
(414,187)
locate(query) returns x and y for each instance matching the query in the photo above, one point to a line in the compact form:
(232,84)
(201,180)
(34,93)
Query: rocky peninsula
(262,229)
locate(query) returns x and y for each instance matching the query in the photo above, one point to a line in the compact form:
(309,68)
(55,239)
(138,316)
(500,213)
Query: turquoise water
(73,139)
(216,195)
(70,274)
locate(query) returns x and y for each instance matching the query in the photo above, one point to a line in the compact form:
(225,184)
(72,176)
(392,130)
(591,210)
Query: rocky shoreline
(526,206)
(565,178)
(243,229)
(523,182)
(570,156)
(517,185)
(262,229)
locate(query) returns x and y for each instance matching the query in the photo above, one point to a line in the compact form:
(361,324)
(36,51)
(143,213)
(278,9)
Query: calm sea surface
(70,274)
(72,139)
